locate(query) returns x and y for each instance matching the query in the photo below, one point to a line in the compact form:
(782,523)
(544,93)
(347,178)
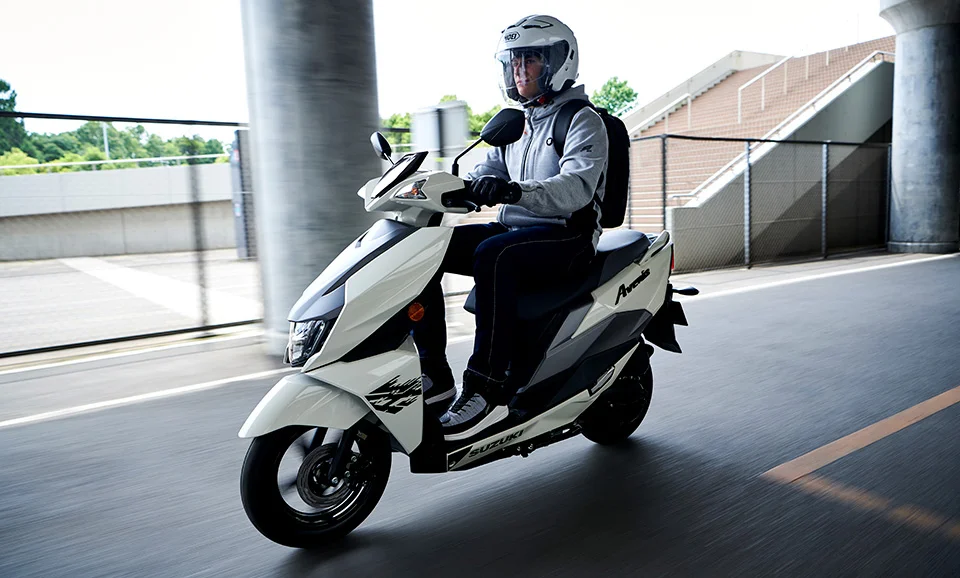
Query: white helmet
(548,39)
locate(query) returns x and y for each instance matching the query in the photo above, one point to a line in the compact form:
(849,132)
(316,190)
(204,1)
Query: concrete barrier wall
(786,189)
(116,189)
(114,232)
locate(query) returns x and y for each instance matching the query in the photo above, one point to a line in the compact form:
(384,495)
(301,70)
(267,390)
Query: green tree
(477,121)
(397,121)
(15,157)
(69,157)
(615,95)
(12,133)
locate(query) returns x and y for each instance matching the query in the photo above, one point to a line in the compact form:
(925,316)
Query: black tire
(332,515)
(619,410)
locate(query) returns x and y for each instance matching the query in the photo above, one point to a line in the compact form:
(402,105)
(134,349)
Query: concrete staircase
(714,114)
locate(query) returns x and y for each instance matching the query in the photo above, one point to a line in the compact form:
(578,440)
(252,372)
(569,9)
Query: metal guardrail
(762,77)
(134,120)
(665,113)
(112,162)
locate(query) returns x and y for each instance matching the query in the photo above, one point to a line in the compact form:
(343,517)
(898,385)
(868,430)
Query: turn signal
(415,312)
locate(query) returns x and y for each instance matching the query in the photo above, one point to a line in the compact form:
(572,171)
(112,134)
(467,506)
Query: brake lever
(471,205)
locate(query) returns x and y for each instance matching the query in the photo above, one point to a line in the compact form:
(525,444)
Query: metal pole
(106,141)
(197,212)
(630,195)
(763,93)
(823,200)
(746,210)
(663,178)
(440,144)
(886,228)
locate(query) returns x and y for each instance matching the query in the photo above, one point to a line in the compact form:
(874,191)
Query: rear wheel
(619,410)
(286,493)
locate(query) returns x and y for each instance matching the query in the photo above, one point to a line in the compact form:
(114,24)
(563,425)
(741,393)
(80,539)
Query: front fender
(299,399)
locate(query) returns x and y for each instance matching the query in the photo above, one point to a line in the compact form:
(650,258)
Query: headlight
(306,337)
(414,191)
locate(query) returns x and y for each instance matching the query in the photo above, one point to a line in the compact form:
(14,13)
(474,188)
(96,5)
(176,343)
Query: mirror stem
(456,166)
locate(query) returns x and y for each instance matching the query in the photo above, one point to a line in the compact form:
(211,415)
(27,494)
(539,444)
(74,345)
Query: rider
(547,229)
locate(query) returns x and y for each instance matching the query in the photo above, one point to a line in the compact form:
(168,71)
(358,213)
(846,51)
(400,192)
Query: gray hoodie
(553,186)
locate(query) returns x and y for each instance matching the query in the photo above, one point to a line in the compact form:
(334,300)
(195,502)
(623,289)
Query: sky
(184,58)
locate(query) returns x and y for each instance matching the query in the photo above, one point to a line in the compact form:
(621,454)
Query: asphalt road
(152,489)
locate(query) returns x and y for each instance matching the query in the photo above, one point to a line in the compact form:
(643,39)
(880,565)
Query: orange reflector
(415,312)
(671,259)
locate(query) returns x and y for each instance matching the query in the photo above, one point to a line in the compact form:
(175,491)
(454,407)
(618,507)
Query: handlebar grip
(460,198)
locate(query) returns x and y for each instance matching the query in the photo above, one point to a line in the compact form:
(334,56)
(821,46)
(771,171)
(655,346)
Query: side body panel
(559,416)
(340,394)
(377,291)
(300,399)
(641,286)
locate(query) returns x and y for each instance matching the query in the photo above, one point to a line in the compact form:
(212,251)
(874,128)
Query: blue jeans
(504,264)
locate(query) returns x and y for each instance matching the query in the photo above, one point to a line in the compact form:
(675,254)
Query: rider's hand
(491,190)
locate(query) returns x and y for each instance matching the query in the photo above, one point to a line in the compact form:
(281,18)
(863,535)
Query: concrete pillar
(925,203)
(312,88)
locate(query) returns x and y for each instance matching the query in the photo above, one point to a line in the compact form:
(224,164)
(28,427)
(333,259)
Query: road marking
(99,357)
(833,451)
(854,496)
(814,277)
(134,399)
(164,393)
(178,296)
(798,473)
(906,514)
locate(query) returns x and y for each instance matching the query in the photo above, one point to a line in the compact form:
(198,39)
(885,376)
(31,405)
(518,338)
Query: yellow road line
(833,451)
(906,514)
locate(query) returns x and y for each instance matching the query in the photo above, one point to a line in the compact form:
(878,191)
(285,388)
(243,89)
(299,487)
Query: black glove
(490,190)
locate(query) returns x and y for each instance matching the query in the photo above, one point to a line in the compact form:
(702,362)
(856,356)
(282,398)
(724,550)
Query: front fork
(338,464)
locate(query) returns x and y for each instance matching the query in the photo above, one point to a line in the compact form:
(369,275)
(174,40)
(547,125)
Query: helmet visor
(525,71)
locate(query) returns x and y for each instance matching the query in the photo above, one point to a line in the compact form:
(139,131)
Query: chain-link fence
(734,202)
(117,228)
(120,228)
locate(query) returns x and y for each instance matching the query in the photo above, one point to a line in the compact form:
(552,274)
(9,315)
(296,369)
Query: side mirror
(381,146)
(504,128)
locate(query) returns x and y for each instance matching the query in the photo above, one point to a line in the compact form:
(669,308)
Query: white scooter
(358,396)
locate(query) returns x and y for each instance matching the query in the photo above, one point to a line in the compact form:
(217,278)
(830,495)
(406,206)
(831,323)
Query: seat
(615,251)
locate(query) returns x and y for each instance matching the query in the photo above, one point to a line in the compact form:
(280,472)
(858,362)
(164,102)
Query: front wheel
(619,410)
(286,493)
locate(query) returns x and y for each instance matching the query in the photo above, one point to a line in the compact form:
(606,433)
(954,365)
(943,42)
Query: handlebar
(461,198)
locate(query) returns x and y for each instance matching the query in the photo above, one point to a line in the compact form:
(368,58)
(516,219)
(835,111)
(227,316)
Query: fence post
(763,93)
(197,212)
(785,76)
(746,210)
(823,200)
(663,178)
(886,228)
(630,196)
